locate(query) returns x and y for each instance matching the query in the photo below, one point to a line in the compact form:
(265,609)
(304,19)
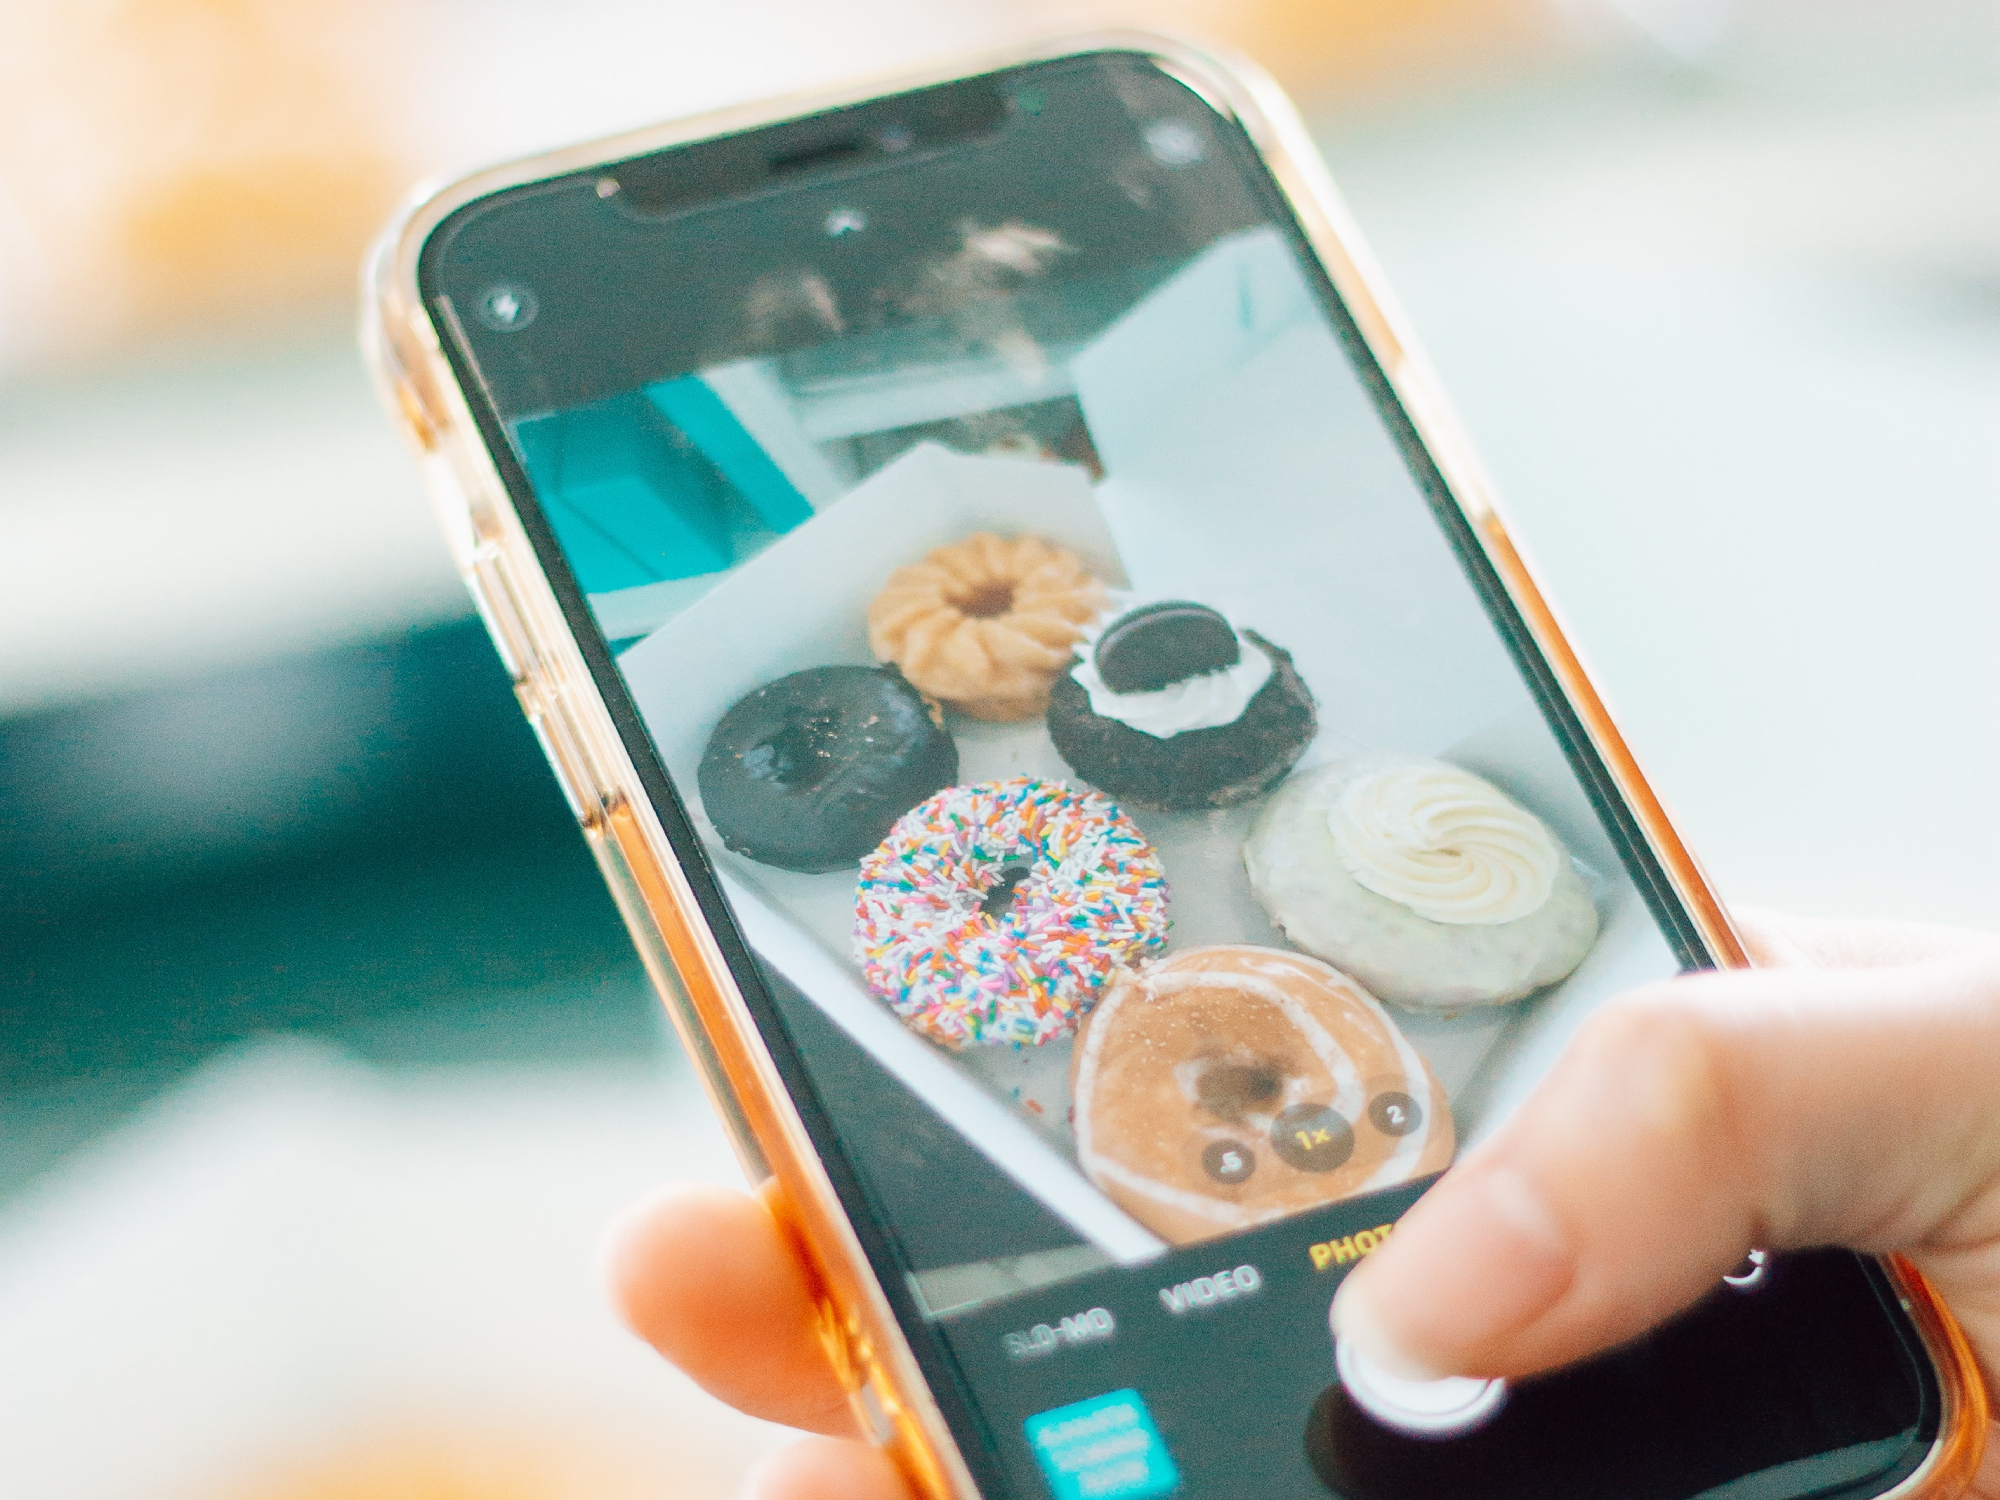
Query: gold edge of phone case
(681,955)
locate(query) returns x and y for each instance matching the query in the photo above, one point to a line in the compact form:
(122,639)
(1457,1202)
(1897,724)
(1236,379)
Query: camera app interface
(1155,859)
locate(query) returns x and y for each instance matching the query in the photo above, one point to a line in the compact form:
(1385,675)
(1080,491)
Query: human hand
(745,1330)
(1847,1095)
(1848,1098)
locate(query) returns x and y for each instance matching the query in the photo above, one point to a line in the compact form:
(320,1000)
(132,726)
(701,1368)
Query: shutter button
(1417,1408)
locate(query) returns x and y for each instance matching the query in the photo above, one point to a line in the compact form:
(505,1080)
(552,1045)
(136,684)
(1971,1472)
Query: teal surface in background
(385,865)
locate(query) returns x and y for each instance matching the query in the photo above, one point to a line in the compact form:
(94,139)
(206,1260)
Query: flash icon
(506,308)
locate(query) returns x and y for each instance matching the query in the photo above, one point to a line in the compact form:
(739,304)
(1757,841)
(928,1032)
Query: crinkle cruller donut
(1230,1085)
(1427,883)
(986,624)
(993,912)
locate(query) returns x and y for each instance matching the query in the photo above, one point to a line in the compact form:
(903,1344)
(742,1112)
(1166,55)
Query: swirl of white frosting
(1204,702)
(1445,844)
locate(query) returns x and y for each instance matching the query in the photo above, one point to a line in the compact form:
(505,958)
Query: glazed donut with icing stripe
(1229,1086)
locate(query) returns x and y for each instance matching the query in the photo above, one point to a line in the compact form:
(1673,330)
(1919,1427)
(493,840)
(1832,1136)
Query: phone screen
(1156,852)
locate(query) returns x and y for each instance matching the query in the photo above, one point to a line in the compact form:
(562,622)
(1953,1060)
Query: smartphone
(1099,792)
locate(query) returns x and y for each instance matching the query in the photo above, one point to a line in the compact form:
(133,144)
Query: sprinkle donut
(993,913)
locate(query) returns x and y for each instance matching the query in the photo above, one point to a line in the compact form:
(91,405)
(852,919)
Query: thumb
(1688,1123)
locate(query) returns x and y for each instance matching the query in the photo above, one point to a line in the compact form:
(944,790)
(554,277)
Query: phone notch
(837,142)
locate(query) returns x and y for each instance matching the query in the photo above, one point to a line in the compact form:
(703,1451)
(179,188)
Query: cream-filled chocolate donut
(1229,1086)
(1425,882)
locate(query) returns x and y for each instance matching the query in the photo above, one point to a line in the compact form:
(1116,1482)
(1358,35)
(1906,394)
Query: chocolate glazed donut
(808,772)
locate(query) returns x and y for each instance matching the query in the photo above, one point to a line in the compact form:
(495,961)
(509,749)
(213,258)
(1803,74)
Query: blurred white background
(1715,283)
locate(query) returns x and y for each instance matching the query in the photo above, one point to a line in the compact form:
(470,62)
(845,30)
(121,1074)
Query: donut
(994,912)
(987,623)
(1171,705)
(1427,883)
(1229,1086)
(808,772)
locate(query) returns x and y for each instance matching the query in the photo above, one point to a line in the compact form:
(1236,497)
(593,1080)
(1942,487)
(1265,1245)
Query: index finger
(1685,1124)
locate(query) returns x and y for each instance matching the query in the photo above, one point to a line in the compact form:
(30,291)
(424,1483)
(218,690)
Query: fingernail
(1477,1261)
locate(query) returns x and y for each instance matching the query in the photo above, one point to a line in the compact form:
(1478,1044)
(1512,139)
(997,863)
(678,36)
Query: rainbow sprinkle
(1094,897)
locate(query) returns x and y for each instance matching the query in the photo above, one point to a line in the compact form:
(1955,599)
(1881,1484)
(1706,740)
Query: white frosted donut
(1428,884)
(1229,1086)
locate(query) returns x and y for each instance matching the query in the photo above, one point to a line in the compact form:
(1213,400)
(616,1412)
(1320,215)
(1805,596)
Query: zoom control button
(1417,1408)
